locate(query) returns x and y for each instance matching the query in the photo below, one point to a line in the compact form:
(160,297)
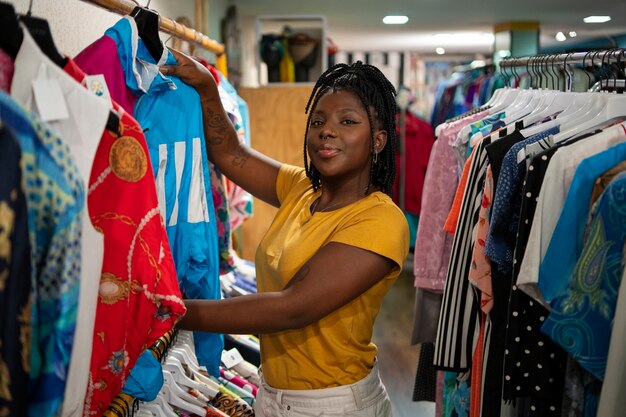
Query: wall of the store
(76,24)
(216,12)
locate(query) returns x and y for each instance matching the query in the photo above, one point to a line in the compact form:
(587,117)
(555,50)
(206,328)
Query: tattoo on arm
(217,127)
(218,130)
(300,275)
(240,158)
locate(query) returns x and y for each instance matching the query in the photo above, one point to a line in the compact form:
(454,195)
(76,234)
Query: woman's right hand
(191,72)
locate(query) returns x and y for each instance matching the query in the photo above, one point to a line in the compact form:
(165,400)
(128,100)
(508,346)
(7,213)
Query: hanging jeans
(365,398)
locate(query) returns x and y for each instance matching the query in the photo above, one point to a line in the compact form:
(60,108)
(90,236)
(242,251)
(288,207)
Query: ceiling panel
(357,24)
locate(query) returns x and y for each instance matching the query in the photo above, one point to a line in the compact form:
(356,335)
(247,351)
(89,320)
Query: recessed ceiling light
(395,20)
(596,19)
(560,37)
(573,34)
(440,51)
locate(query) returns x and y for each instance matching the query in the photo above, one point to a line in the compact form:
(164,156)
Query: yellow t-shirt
(338,349)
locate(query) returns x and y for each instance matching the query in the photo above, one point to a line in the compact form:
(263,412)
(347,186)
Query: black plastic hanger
(10,31)
(40,31)
(148,27)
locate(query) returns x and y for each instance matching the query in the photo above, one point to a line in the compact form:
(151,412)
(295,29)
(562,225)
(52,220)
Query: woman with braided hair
(334,249)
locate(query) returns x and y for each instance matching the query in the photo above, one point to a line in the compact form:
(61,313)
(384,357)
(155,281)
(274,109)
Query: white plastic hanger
(144,412)
(159,407)
(153,410)
(611,107)
(183,356)
(176,396)
(162,402)
(175,367)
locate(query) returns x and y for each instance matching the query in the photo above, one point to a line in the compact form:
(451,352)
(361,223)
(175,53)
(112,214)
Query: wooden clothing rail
(173,28)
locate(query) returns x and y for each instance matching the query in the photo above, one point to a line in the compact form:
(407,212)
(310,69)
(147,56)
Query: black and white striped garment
(459,320)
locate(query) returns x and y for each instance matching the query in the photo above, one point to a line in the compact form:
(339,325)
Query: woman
(334,249)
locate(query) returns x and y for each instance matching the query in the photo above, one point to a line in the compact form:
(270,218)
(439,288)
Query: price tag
(98,86)
(231,358)
(50,101)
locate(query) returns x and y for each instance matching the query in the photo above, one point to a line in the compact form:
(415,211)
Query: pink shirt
(432,244)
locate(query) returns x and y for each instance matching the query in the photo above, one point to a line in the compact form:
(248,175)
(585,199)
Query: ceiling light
(560,37)
(573,34)
(395,20)
(440,51)
(596,19)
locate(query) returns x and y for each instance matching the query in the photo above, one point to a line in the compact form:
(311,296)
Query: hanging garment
(418,145)
(432,245)
(582,314)
(614,387)
(55,199)
(530,358)
(169,111)
(499,247)
(15,283)
(138,275)
(553,277)
(458,327)
(7,68)
(506,205)
(551,199)
(81,128)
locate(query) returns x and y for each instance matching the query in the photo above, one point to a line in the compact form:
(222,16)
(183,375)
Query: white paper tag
(98,86)
(231,358)
(50,101)
(521,155)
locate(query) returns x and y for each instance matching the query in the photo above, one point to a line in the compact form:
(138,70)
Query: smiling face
(339,138)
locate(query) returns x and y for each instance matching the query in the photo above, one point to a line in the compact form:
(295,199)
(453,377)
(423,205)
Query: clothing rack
(123,404)
(170,26)
(601,55)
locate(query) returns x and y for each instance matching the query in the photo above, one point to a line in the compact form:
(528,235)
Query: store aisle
(398,359)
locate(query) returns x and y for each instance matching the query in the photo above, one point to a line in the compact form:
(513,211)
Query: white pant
(365,398)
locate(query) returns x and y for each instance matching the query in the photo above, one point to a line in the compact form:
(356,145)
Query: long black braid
(375,91)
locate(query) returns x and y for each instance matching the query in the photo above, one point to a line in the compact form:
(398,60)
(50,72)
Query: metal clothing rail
(599,56)
(173,28)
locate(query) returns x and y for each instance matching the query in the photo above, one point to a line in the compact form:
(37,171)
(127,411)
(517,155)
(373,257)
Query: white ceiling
(357,24)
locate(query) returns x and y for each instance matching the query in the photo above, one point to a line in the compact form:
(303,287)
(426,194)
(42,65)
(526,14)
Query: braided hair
(375,91)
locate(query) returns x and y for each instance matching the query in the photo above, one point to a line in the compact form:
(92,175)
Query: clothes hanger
(176,396)
(10,31)
(40,31)
(183,356)
(161,404)
(614,84)
(581,104)
(611,107)
(508,96)
(175,367)
(148,27)
(593,108)
(186,342)
(555,102)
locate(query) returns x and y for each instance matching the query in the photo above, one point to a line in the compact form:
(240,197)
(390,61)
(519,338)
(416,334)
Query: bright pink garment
(109,65)
(240,382)
(7,67)
(419,142)
(432,244)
